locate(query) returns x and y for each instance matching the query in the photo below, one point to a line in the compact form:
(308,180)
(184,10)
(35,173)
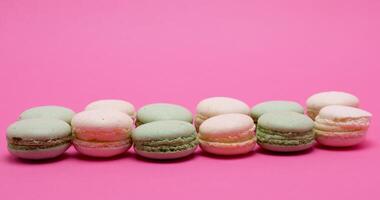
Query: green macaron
(163,111)
(167,139)
(40,138)
(274,106)
(51,112)
(285,131)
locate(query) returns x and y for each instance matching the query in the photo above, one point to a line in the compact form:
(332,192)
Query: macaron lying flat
(214,106)
(113,104)
(167,139)
(317,101)
(163,111)
(274,106)
(40,138)
(102,133)
(285,131)
(341,126)
(52,112)
(227,134)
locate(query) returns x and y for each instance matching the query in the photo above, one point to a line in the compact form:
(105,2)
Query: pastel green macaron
(40,138)
(163,111)
(274,106)
(167,139)
(285,131)
(52,112)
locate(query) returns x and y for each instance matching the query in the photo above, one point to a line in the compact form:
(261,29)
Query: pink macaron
(341,126)
(102,133)
(227,134)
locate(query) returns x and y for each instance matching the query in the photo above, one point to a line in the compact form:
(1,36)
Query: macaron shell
(51,112)
(279,148)
(95,149)
(226,125)
(339,112)
(101,120)
(113,104)
(39,154)
(275,106)
(286,122)
(340,139)
(163,111)
(166,155)
(228,148)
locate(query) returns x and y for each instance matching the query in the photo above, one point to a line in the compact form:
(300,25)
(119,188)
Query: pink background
(75,51)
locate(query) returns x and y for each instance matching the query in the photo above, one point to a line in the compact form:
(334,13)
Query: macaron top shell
(113,104)
(39,129)
(335,112)
(101,120)
(286,122)
(166,129)
(55,112)
(221,105)
(163,111)
(320,100)
(226,124)
(273,106)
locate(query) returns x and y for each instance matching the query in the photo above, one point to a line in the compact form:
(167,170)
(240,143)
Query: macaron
(274,106)
(341,126)
(214,106)
(102,133)
(113,104)
(317,101)
(285,131)
(40,138)
(163,111)
(166,139)
(52,112)
(227,134)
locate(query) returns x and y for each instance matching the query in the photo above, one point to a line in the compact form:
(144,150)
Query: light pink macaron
(341,126)
(113,104)
(227,134)
(102,133)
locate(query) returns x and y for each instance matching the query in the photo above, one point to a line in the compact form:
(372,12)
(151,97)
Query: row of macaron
(222,125)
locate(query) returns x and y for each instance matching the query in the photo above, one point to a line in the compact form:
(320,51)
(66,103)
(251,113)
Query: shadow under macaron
(165,161)
(16,160)
(366,144)
(227,157)
(83,157)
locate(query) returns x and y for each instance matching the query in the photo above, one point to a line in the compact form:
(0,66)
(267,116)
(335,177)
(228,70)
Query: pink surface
(73,52)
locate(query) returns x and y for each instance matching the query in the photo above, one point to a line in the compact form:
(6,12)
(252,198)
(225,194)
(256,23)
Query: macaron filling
(29,144)
(266,136)
(167,145)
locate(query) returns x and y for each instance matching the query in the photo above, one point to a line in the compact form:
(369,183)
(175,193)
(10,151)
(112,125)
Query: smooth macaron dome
(214,106)
(39,138)
(113,104)
(227,134)
(102,133)
(341,126)
(317,101)
(163,111)
(285,131)
(53,112)
(166,139)
(275,106)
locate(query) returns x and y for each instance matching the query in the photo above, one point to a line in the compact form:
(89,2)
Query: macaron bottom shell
(166,155)
(101,149)
(341,139)
(279,148)
(236,148)
(39,153)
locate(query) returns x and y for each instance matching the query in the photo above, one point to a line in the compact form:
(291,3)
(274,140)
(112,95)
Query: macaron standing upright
(285,131)
(275,106)
(113,104)
(163,111)
(165,139)
(317,101)
(102,133)
(228,134)
(214,106)
(341,126)
(40,138)
(51,112)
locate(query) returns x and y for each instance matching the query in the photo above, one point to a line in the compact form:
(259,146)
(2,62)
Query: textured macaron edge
(267,136)
(167,145)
